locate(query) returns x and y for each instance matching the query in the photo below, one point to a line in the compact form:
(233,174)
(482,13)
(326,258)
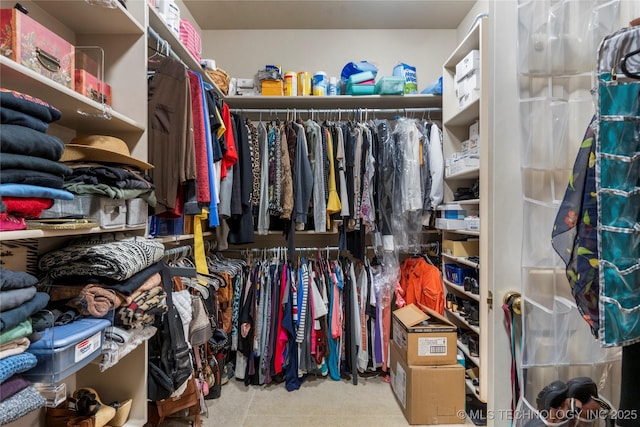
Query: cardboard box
(428,394)
(461,248)
(424,338)
(272,88)
(29,43)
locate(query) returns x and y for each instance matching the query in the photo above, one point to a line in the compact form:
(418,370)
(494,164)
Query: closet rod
(153,35)
(260,250)
(335,110)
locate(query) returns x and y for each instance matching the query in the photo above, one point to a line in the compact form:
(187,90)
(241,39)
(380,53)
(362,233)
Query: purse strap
(166,273)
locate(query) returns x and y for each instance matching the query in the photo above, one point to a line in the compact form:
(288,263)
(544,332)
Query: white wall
(243,52)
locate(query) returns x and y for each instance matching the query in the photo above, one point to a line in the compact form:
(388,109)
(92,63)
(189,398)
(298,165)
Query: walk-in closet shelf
(176,46)
(121,33)
(456,122)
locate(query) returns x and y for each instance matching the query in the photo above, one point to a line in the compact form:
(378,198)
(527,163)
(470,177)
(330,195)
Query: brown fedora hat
(101,149)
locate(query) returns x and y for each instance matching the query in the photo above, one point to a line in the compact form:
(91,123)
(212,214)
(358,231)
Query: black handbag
(169,354)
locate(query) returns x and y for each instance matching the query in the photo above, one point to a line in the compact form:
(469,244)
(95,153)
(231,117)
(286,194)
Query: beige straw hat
(101,149)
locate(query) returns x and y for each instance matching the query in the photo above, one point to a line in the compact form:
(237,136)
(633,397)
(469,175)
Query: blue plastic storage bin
(63,350)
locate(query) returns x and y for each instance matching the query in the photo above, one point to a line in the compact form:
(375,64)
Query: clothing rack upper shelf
(338,102)
(166,34)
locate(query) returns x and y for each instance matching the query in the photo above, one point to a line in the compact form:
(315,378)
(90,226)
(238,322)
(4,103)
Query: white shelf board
(22,79)
(159,25)
(462,260)
(470,42)
(465,174)
(467,202)
(473,389)
(38,234)
(465,350)
(333,102)
(463,321)
(85,18)
(465,116)
(460,289)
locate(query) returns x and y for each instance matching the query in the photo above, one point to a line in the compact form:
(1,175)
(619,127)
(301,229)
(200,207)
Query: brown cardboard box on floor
(424,338)
(428,394)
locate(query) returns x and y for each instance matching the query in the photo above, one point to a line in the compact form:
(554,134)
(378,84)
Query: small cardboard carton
(428,394)
(424,337)
(461,248)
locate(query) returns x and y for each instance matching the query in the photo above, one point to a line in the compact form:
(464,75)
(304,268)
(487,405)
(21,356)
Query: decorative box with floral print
(29,43)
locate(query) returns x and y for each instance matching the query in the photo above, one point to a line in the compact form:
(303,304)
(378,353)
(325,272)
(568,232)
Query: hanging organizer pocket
(619,137)
(619,172)
(545,330)
(620,209)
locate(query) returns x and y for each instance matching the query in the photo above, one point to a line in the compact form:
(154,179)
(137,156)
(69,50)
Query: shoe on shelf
(122,412)
(88,403)
(552,396)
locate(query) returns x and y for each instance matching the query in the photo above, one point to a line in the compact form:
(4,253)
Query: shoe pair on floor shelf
(576,400)
(85,409)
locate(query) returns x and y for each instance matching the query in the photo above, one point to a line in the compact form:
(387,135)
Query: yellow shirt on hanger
(333,204)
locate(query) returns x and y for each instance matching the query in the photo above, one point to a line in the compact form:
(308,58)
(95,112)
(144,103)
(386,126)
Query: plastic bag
(357,67)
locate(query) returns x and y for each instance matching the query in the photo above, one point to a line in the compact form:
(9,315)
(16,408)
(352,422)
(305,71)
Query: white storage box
(474,130)
(108,213)
(472,223)
(137,212)
(450,224)
(468,64)
(63,350)
(463,165)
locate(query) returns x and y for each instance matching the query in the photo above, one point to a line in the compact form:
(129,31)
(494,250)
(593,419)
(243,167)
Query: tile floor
(319,402)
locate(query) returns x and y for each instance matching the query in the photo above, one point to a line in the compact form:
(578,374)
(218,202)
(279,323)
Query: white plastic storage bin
(137,212)
(472,223)
(63,350)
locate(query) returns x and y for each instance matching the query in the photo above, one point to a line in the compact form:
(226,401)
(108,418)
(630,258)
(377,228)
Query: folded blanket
(119,259)
(30,142)
(10,279)
(20,404)
(20,161)
(13,317)
(31,177)
(16,364)
(14,347)
(30,105)
(11,223)
(152,282)
(125,287)
(14,297)
(60,293)
(23,329)
(12,386)
(26,190)
(100,301)
(10,116)
(142,311)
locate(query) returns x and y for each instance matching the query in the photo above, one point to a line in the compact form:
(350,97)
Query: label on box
(432,346)
(399,335)
(86,347)
(399,384)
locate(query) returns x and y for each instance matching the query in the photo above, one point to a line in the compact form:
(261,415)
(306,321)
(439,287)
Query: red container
(89,85)
(29,43)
